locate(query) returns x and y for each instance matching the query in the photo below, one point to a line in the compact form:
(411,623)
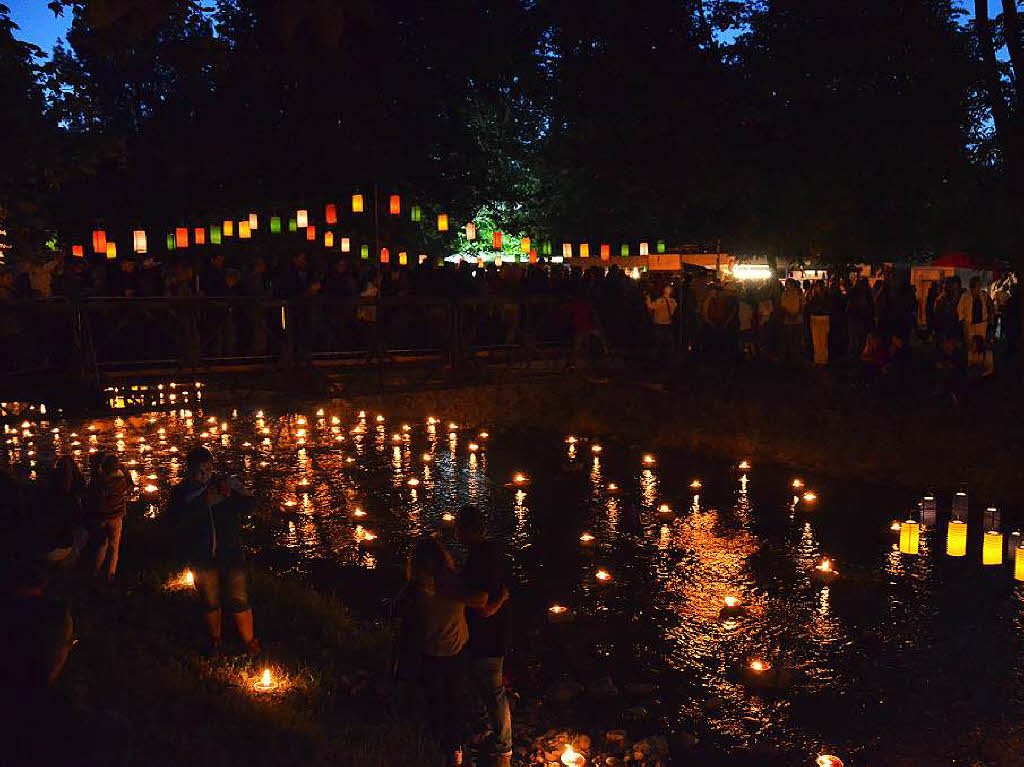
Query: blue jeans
(486,676)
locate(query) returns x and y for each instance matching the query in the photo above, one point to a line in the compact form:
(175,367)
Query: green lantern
(545,247)
(171,245)
(364,251)
(214,234)
(660,246)
(293,225)
(275,224)
(624,250)
(416,213)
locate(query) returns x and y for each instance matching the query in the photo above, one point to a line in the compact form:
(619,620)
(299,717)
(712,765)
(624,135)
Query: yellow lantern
(584,250)
(254,222)
(302,218)
(644,249)
(992,548)
(524,245)
(181,237)
(229,228)
(111,250)
(403,258)
(357,203)
(328,239)
(442,222)
(956,539)
(1018,564)
(244,230)
(346,245)
(139,241)
(910,532)
(470,231)
(566,250)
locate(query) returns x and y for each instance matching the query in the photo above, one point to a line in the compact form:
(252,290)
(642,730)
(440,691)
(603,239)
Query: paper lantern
(346,245)
(275,225)
(415,213)
(1018,564)
(624,250)
(394,205)
(77,251)
(293,225)
(214,234)
(423,258)
(364,251)
(524,245)
(139,241)
(644,249)
(328,239)
(331,213)
(584,250)
(606,252)
(960,506)
(496,241)
(385,255)
(254,222)
(181,237)
(956,539)
(442,222)
(660,246)
(310,233)
(244,230)
(199,235)
(992,548)
(111,250)
(1011,544)
(470,231)
(910,533)
(170,241)
(302,218)
(928,510)
(99,241)
(533,256)
(229,228)
(357,203)
(566,250)
(990,519)
(403,258)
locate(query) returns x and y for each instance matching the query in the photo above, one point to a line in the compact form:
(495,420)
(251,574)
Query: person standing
(663,311)
(487,570)
(974,311)
(791,307)
(108,504)
(206,511)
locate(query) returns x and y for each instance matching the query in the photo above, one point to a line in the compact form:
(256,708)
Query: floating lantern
(895,526)
(328,239)
(559,614)
(448,517)
(302,218)
(415,214)
(825,572)
(346,245)
(181,237)
(265,683)
(612,488)
(695,485)
(442,222)
(827,760)
(606,252)
(990,519)
(596,448)
(960,506)
(229,228)
(809,497)
(99,241)
(385,256)
(928,512)
(584,250)
(910,532)
(586,539)
(331,213)
(364,251)
(473,447)
(744,465)
(394,205)
(357,203)
(293,225)
(111,250)
(798,483)
(992,548)
(254,222)
(648,460)
(413,482)
(520,479)
(310,233)
(1013,541)
(427,458)
(358,512)
(732,608)
(665,510)
(759,666)
(150,489)
(496,240)
(660,246)
(199,235)
(956,539)
(566,250)
(603,575)
(78,251)
(1018,564)
(571,757)
(244,230)
(139,241)
(275,224)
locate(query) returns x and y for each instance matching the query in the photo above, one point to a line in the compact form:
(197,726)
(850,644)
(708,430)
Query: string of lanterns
(181,237)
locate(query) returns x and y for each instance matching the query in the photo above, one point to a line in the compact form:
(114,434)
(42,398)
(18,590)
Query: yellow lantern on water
(910,533)
(524,245)
(442,222)
(1018,564)
(992,548)
(139,241)
(111,250)
(956,539)
(254,222)
(229,228)
(244,230)
(357,203)
(302,218)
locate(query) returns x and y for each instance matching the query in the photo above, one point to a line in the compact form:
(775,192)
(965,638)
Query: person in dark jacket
(205,510)
(109,487)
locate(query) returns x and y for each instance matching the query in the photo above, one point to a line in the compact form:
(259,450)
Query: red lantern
(199,234)
(99,241)
(77,251)
(395,205)
(310,232)
(606,252)
(181,237)
(496,240)
(331,213)
(385,256)
(533,256)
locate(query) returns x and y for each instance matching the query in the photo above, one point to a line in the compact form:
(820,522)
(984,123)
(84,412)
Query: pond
(913,654)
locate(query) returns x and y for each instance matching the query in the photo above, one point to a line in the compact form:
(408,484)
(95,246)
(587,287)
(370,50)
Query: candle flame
(448,517)
(595,448)
(744,464)
(665,509)
(731,601)
(798,483)
(759,666)
(557,609)
(695,484)
(825,566)
(810,497)
(190,579)
(648,459)
(519,478)
(895,526)
(586,538)
(603,575)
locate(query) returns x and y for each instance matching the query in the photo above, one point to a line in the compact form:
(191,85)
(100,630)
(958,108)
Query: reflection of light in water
(743,484)
(572,451)
(521,512)
(695,505)
(664,537)
(648,488)
(613,518)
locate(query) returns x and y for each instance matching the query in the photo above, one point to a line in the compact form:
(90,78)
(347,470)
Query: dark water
(914,654)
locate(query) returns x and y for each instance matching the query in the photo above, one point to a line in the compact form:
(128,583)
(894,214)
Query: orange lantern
(310,232)
(442,222)
(533,256)
(199,235)
(496,240)
(470,231)
(395,205)
(357,203)
(78,251)
(606,252)
(566,250)
(328,239)
(302,218)
(99,241)
(244,230)
(181,237)
(331,213)
(385,256)
(111,250)
(584,250)
(139,241)
(524,245)
(229,228)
